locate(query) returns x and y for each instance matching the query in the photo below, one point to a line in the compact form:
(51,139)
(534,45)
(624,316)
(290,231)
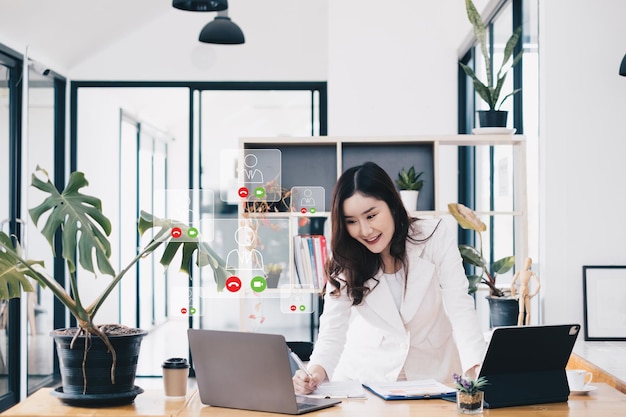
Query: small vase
(469,403)
(409,199)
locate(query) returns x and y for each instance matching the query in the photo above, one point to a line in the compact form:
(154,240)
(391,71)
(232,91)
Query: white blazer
(436,332)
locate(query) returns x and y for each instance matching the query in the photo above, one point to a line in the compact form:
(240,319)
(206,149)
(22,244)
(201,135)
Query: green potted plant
(97,362)
(469,394)
(273,274)
(502,307)
(490,90)
(410,184)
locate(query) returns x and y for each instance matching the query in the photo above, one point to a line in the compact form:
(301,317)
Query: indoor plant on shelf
(98,362)
(503,308)
(488,90)
(410,184)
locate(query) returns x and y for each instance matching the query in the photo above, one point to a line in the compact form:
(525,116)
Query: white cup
(578,379)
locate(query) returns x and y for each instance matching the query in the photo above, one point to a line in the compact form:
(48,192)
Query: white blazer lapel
(380,301)
(421,273)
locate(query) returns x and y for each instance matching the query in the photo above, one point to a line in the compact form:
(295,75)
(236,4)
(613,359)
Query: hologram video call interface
(255,243)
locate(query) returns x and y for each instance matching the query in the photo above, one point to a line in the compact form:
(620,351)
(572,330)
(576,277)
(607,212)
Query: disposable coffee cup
(175,371)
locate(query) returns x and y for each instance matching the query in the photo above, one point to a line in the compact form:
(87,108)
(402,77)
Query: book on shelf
(319,244)
(310,254)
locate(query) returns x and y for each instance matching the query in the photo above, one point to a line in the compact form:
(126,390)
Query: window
(486,173)
(27,139)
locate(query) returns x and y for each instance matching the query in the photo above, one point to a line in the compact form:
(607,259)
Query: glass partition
(169,140)
(39,148)
(5,213)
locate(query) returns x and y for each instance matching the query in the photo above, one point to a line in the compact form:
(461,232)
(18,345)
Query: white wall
(582,147)
(392,70)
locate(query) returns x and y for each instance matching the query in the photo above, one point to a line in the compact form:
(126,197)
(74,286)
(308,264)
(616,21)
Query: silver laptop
(249,371)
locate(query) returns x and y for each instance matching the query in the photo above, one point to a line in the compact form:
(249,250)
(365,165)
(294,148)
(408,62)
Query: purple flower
(469,385)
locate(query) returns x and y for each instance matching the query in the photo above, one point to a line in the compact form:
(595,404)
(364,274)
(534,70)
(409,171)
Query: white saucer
(584,391)
(493,131)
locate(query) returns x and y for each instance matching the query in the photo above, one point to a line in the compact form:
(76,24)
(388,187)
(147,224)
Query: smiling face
(369,221)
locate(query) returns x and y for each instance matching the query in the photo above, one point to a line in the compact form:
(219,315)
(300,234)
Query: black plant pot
(492,118)
(272,280)
(100,391)
(503,311)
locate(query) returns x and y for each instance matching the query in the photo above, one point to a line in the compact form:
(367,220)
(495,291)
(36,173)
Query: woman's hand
(473,372)
(305,384)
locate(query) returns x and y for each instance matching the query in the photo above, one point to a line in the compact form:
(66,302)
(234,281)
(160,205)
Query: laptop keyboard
(305,403)
(306,406)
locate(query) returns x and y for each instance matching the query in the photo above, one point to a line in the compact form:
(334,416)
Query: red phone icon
(303,210)
(243,192)
(233,284)
(183,310)
(292,308)
(176,232)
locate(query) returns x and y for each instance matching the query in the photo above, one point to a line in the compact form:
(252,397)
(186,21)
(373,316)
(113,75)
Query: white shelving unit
(318,161)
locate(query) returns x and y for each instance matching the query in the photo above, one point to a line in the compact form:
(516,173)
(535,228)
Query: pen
(296,358)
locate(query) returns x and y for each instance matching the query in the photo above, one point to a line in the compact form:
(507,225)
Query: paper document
(338,389)
(403,390)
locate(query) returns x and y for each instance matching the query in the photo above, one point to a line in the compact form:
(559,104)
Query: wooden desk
(150,403)
(603,402)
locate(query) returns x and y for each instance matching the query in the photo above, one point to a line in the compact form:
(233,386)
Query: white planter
(409,199)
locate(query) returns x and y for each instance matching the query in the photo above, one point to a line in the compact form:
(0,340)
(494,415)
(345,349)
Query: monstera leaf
(205,255)
(13,271)
(80,219)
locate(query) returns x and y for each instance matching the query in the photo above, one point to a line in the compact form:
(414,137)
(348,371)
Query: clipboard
(411,390)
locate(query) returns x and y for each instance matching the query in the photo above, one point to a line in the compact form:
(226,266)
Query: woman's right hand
(304,384)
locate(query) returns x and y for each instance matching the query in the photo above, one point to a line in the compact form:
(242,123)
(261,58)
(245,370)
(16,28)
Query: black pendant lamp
(201,5)
(222,31)
(622,68)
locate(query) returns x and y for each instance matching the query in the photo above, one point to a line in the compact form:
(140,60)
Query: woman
(396,304)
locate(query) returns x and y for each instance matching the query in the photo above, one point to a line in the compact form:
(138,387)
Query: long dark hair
(349,257)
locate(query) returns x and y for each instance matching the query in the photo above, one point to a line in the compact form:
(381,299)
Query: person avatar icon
(243,258)
(251,174)
(307,199)
(524,294)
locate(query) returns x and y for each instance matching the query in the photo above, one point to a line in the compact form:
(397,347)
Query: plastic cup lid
(175,363)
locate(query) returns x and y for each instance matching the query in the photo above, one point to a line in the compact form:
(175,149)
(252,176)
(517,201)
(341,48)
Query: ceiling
(65,31)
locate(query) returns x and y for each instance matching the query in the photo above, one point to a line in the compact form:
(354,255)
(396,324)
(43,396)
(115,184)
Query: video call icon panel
(191,213)
(250,175)
(308,199)
(297,299)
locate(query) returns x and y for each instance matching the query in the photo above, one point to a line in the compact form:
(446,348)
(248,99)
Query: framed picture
(604,297)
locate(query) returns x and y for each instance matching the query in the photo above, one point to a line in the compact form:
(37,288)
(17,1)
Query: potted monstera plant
(97,362)
(490,89)
(503,308)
